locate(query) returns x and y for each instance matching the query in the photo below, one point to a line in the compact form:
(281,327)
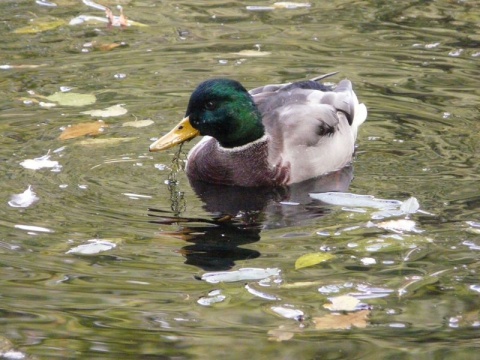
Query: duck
(273,135)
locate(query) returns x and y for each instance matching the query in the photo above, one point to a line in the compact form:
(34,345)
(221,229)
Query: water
(415,65)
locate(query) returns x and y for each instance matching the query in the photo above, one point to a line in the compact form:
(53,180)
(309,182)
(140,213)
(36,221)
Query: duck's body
(273,135)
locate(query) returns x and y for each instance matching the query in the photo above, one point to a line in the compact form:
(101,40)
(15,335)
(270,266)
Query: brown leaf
(342,321)
(91,128)
(108,47)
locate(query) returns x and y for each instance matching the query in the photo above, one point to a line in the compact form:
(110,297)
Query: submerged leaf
(312,259)
(280,334)
(74,131)
(356,319)
(40,25)
(72,99)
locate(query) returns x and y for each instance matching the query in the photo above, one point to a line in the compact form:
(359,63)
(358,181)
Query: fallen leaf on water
(252,53)
(312,259)
(46,105)
(92,247)
(279,5)
(40,25)
(104,142)
(72,99)
(21,66)
(25,199)
(399,226)
(41,163)
(115,110)
(356,319)
(108,47)
(342,303)
(97,19)
(290,5)
(138,123)
(240,275)
(410,206)
(74,131)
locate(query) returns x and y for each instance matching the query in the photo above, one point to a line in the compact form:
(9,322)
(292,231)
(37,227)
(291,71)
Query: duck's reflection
(239,215)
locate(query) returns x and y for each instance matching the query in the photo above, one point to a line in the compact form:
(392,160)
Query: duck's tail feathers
(360,114)
(321,77)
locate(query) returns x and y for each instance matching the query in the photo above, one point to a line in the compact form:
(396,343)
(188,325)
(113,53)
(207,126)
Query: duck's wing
(313,129)
(310,84)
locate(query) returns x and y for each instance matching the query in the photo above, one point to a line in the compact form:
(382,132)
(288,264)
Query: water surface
(414,64)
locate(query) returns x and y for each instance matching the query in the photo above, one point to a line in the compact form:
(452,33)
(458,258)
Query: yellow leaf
(138,123)
(72,99)
(312,259)
(342,321)
(115,110)
(74,131)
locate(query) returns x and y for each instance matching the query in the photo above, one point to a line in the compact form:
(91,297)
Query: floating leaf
(108,47)
(279,5)
(104,142)
(40,25)
(46,105)
(399,226)
(23,200)
(138,123)
(312,259)
(33,228)
(240,275)
(74,131)
(98,19)
(288,312)
(213,297)
(356,319)
(342,303)
(115,110)
(410,206)
(21,66)
(290,5)
(252,53)
(72,99)
(92,247)
(355,200)
(40,163)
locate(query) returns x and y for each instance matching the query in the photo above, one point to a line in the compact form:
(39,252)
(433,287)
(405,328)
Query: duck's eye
(210,105)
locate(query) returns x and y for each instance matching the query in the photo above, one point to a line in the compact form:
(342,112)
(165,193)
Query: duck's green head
(220,108)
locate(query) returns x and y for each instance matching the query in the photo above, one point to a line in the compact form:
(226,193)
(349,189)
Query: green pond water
(111,259)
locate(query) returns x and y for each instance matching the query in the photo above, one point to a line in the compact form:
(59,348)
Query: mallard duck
(270,136)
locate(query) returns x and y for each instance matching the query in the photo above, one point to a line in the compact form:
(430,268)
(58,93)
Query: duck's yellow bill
(182,132)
